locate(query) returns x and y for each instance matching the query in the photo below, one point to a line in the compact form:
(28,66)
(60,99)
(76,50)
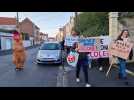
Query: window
(50,46)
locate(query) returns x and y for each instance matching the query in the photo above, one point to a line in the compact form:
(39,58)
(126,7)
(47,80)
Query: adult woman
(82,62)
(124,36)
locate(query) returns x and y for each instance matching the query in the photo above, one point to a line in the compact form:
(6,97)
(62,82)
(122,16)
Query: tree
(92,23)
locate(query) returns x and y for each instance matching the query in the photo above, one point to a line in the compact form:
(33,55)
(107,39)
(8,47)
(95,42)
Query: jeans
(84,65)
(122,67)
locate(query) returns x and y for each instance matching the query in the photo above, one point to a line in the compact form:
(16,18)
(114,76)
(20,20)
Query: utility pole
(17,22)
(76,16)
(17,19)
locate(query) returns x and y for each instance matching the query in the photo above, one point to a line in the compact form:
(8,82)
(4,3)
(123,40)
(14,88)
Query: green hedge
(92,23)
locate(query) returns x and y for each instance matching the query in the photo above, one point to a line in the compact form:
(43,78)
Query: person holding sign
(124,36)
(82,62)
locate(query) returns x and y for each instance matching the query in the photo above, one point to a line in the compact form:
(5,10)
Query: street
(32,75)
(53,75)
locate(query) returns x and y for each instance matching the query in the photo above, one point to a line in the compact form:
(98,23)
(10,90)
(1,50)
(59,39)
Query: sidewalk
(6,52)
(98,79)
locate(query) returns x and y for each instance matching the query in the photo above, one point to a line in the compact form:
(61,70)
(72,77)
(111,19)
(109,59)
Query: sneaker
(100,69)
(88,85)
(77,80)
(17,69)
(126,83)
(89,66)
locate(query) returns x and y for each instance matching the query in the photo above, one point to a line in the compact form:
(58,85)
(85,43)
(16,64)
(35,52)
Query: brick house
(60,35)
(28,27)
(7,26)
(7,23)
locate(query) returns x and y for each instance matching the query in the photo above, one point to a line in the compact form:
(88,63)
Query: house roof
(7,21)
(27,19)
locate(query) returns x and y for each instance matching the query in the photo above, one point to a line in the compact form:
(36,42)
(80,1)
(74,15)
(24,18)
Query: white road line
(60,77)
(65,80)
(128,71)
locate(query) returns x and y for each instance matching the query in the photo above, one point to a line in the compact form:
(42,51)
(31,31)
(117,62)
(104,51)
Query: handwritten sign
(120,49)
(96,46)
(70,40)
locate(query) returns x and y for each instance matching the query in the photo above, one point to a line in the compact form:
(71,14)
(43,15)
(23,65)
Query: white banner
(70,40)
(96,46)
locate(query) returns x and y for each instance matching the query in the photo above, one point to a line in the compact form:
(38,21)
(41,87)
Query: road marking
(65,80)
(60,77)
(128,71)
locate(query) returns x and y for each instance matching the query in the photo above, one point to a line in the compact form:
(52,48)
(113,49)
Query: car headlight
(38,55)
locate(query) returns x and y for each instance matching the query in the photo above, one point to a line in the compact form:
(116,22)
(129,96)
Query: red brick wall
(26,27)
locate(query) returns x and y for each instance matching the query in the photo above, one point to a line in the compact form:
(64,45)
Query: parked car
(49,53)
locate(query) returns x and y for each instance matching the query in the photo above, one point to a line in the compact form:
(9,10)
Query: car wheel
(38,64)
(60,62)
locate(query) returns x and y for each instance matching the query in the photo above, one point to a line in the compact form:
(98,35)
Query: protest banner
(120,49)
(70,40)
(99,54)
(72,58)
(96,46)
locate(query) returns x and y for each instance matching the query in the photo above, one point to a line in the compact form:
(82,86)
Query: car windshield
(50,46)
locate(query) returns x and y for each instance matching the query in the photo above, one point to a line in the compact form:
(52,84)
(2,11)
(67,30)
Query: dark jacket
(83,57)
(62,44)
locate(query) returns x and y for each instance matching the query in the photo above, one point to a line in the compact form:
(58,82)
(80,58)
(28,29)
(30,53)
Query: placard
(120,49)
(70,40)
(96,46)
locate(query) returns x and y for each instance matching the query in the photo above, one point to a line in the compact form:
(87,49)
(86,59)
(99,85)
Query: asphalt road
(32,76)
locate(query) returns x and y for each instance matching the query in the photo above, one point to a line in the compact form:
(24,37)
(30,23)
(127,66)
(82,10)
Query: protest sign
(98,54)
(70,40)
(120,49)
(72,58)
(96,46)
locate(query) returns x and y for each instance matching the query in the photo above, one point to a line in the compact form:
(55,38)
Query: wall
(27,27)
(6,41)
(8,27)
(113,25)
(26,43)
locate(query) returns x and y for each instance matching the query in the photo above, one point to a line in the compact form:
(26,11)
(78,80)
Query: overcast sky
(48,22)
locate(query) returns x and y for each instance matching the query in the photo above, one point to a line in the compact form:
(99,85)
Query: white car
(49,53)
